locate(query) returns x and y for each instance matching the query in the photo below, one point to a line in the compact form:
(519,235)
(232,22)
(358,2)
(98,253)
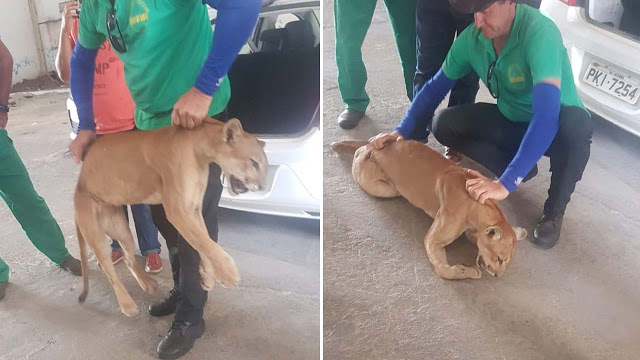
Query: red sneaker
(153,263)
(116,256)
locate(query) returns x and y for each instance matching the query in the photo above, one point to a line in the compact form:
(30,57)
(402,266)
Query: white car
(602,38)
(275,92)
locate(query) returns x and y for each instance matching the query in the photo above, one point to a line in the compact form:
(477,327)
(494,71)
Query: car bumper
(587,43)
(294,186)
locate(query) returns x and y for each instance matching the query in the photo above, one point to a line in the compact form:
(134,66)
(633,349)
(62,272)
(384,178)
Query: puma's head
(496,247)
(242,159)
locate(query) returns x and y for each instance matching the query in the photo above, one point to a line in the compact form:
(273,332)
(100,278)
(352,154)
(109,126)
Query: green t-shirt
(167,43)
(533,52)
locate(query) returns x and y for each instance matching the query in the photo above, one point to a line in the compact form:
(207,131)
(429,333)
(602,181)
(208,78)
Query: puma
(168,166)
(437,186)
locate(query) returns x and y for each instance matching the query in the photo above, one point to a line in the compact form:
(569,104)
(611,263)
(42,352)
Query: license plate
(613,82)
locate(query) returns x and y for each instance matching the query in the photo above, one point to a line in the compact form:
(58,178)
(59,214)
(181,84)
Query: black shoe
(531,174)
(547,232)
(180,339)
(349,118)
(72,265)
(166,306)
(3,288)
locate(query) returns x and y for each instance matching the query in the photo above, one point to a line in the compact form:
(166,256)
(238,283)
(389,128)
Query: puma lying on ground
(437,185)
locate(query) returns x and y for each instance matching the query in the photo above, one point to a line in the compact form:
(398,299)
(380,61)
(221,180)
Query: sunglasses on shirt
(490,77)
(117,41)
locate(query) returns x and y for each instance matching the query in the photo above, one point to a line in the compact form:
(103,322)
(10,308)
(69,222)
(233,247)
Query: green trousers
(352,19)
(27,206)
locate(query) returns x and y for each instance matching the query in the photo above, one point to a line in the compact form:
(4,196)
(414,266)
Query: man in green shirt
(175,69)
(519,55)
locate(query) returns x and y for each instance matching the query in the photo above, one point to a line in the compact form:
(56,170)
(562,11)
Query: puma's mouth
(237,186)
(483,265)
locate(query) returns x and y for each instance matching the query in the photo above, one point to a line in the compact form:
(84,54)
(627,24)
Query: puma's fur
(437,185)
(168,166)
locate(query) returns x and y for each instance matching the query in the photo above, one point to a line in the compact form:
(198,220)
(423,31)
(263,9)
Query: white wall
(33,49)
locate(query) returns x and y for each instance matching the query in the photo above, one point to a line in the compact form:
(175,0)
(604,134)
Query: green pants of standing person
(27,206)
(352,19)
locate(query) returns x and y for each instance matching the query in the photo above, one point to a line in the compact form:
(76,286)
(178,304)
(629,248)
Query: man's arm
(235,22)
(65,48)
(545,100)
(540,133)
(83,64)
(6,76)
(425,103)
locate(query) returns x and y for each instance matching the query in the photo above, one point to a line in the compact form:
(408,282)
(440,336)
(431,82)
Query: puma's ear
(521,233)
(232,130)
(262,143)
(494,232)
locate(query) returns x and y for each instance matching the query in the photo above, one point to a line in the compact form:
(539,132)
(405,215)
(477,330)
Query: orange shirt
(113,106)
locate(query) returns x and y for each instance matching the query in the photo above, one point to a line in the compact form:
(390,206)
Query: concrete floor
(273,314)
(382,299)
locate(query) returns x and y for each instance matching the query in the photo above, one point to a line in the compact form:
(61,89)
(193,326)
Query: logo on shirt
(138,15)
(516,76)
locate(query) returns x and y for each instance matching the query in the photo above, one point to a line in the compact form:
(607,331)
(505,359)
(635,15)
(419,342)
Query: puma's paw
(465,272)
(129,308)
(226,271)
(477,271)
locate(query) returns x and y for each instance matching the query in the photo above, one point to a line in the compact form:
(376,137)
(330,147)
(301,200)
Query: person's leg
(170,234)
(434,35)
(193,297)
(402,14)
(116,250)
(465,89)
(188,322)
(352,20)
(480,132)
(145,229)
(147,237)
(30,209)
(569,153)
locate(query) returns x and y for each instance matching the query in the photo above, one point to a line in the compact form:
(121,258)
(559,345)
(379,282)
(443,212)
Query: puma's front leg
(440,234)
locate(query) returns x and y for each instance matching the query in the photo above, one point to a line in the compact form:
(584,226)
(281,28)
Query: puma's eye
(500,261)
(255,164)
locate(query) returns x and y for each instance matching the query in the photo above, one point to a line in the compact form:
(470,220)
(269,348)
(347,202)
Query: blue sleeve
(82,65)
(542,130)
(234,24)
(425,103)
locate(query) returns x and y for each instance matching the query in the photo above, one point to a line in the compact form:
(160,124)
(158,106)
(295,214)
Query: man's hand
(379,140)
(4,117)
(70,13)
(80,145)
(191,109)
(483,188)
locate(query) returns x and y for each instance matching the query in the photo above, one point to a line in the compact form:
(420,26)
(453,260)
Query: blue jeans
(145,229)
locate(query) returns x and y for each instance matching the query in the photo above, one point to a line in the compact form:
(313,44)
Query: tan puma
(169,166)
(437,185)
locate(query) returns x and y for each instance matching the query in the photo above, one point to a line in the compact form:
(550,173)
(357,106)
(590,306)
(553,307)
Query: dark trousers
(436,28)
(185,261)
(483,134)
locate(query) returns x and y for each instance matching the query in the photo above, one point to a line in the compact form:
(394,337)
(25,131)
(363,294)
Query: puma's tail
(347,147)
(82,244)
